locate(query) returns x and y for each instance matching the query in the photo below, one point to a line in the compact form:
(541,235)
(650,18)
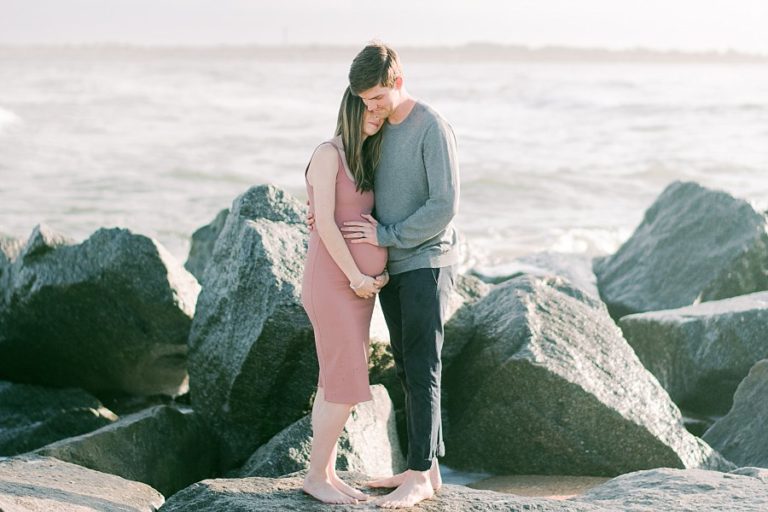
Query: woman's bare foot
(398,479)
(342,486)
(323,490)
(416,487)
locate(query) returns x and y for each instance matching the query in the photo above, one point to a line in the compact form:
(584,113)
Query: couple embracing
(401,245)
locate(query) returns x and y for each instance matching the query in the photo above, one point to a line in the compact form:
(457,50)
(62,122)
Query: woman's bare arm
(322,176)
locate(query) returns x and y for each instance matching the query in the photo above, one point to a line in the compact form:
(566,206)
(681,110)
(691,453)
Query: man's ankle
(418,474)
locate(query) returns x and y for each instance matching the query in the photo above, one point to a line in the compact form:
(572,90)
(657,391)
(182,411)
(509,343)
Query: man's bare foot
(398,479)
(434,475)
(342,486)
(325,491)
(416,487)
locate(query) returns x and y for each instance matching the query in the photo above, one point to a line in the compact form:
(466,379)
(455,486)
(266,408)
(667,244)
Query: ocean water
(561,156)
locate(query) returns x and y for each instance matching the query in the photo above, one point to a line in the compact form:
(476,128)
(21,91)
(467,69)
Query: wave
(591,241)
(7,118)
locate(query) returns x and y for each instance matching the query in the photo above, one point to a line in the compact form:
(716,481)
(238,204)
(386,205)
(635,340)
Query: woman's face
(371,123)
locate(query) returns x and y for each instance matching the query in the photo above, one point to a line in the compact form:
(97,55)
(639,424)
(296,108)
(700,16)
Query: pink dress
(340,319)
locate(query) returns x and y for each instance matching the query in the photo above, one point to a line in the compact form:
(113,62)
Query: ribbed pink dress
(340,319)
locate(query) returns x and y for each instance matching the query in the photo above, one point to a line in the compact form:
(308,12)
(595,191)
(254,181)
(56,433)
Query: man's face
(380,100)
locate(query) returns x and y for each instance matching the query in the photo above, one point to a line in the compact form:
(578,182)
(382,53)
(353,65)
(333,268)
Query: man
(417,195)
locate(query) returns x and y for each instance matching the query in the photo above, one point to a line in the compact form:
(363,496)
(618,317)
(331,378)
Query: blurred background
(571,117)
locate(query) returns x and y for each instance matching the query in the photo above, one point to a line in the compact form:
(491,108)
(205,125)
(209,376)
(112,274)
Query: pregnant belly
(370,260)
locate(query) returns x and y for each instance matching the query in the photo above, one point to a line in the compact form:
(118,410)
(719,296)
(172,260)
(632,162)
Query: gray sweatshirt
(416,189)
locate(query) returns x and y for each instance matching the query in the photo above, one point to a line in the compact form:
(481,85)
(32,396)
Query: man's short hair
(376,64)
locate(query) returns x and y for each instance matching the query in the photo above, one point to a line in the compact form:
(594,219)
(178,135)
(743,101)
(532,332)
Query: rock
(10,248)
(741,434)
(679,490)
(381,370)
(759,473)
(460,325)
(203,240)
(280,494)
(33,416)
(547,385)
(700,353)
(34,483)
(123,405)
(469,289)
(253,365)
(368,444)
(164,447)
(109,315)
(693,245)
(576,268)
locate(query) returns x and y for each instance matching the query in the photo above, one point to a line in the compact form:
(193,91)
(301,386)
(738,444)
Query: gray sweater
(416,187)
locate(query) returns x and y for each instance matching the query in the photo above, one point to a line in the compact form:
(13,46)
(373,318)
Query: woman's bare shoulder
(324,162)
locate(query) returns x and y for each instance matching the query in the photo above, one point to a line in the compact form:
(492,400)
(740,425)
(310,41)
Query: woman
(339,287)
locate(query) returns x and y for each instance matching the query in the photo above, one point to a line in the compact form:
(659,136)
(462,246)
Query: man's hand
(361,231)
(310,219)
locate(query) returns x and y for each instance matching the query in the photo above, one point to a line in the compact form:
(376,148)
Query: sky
(689,25)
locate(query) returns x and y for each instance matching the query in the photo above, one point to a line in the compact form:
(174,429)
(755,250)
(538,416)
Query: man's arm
(442,166)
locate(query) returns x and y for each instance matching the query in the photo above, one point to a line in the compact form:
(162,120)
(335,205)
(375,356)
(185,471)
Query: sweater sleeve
(442,169)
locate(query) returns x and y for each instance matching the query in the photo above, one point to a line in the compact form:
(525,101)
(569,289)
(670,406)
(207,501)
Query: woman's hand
(382,279)
(365,288)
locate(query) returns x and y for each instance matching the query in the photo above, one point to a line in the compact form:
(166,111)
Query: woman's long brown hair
(362,156)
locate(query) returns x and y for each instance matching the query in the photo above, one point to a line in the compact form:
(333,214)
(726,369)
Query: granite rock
(693,245)
(33,483)
(252,360)
(108,315)
(546,384)
(701,353)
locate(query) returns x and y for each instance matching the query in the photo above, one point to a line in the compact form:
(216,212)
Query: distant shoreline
(476,52)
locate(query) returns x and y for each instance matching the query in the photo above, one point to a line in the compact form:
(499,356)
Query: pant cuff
(420,465)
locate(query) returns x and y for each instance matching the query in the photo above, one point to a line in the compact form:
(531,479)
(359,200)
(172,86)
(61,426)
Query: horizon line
(497,50)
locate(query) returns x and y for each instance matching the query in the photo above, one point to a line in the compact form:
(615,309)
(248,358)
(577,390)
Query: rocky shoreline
(129,380)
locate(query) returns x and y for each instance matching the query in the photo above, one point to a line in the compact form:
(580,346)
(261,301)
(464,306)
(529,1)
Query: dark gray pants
(414,304)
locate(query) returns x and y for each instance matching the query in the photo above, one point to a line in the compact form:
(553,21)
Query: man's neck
(402,110)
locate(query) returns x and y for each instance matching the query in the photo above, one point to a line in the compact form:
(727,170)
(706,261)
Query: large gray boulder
(690,490)
(547,385)
(253,365)
(165,447)
(33,416)
(701,353)
(741,435)
(368,443)
(109,315)
(259,494)
(41,484)
(693,245)
(203,241)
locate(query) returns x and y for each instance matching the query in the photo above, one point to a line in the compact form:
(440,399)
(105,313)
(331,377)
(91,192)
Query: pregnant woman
(340,283)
